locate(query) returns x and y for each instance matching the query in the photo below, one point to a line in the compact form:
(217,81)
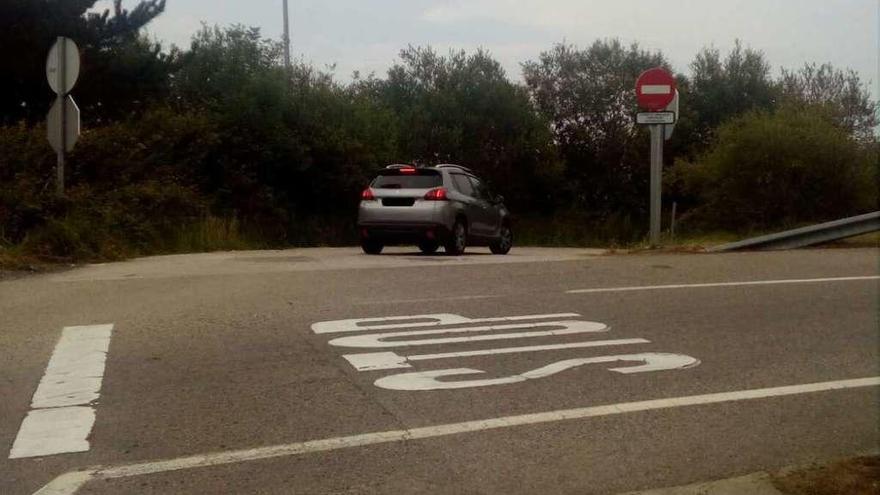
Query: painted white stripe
(438,319)
(284,450)
(67,483)
(531,348)
(53,431)
(76,368)
(656,89)
(60,421)
(373,361)
(429,380)
(376,340)
(722,284)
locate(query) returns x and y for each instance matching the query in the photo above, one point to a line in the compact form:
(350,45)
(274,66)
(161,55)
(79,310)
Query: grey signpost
(656,93)
(62,122)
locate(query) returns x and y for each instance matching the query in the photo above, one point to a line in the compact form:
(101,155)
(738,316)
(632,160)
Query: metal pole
(672,222)
(286,38)
(656,176)
(62,97)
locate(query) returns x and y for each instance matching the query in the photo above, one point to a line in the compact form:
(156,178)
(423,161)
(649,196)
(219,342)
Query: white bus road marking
(377,340)
(428,380)
(60,420)
(722,284)
(374,361)
(68,484)
(437,319)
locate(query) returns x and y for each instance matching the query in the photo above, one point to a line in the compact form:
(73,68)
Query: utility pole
(286,39)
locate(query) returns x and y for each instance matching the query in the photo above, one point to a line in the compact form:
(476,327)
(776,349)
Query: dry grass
(858,476)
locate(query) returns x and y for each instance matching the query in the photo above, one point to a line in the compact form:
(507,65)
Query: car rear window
(394,179)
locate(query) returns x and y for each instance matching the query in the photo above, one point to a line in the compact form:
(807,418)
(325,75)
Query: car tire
(372,247)
(504,242)
(428,247)
(457,241)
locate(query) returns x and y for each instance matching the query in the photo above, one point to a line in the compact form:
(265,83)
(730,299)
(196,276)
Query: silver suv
(445,205)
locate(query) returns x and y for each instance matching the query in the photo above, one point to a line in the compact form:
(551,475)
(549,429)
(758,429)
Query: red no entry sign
(655,89)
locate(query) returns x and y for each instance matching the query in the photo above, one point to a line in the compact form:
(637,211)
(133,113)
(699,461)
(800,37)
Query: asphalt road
(217,379)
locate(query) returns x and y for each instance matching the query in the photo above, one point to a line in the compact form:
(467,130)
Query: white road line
(53,431)
(73,481)
(722,284)
(425,299)
(67,483)
(373,361)
(429,380)
(60,421)
(375,340)
(435,319)
(76,368)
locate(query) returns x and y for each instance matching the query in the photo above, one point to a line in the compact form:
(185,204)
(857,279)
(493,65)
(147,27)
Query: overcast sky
(366,35)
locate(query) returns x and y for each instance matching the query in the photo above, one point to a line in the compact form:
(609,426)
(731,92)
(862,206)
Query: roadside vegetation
(217,146)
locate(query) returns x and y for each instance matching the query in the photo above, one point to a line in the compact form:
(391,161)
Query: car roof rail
(452,165)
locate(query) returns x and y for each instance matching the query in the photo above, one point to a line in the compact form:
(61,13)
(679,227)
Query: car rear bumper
(403,233)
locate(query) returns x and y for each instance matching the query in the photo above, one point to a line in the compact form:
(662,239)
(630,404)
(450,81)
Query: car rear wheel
(372,247)
(457,240)
(504,242)
(428,247)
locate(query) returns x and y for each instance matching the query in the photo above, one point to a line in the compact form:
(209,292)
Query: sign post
(656,92)
(62,123)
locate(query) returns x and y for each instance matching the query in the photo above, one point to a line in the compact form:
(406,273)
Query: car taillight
(367,195)
(438,194)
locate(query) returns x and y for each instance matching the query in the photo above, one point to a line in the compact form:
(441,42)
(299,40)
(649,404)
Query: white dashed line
(61,420)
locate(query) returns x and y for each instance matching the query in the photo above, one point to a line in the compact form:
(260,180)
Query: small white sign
(655,118)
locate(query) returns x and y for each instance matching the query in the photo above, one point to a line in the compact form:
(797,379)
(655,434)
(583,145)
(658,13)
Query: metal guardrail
(808,236)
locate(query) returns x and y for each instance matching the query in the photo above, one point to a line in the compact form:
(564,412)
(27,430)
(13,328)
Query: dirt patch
(857,476)
(15,267)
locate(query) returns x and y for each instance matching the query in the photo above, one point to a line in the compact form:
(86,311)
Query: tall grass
(211,234)
(574,230)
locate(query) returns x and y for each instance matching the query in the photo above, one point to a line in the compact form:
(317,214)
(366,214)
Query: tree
(461,108)
(289,140)
(841,91)
(120,69)
(588,96)
(722,89)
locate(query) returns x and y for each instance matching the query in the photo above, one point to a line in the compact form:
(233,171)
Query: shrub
(779,169)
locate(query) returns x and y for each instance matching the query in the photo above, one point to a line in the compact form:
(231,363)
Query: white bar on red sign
(656,89)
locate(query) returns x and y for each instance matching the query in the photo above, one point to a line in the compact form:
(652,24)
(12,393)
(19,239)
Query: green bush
(776,169)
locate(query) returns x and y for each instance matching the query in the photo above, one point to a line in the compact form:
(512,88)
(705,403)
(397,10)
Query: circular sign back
(63,54)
